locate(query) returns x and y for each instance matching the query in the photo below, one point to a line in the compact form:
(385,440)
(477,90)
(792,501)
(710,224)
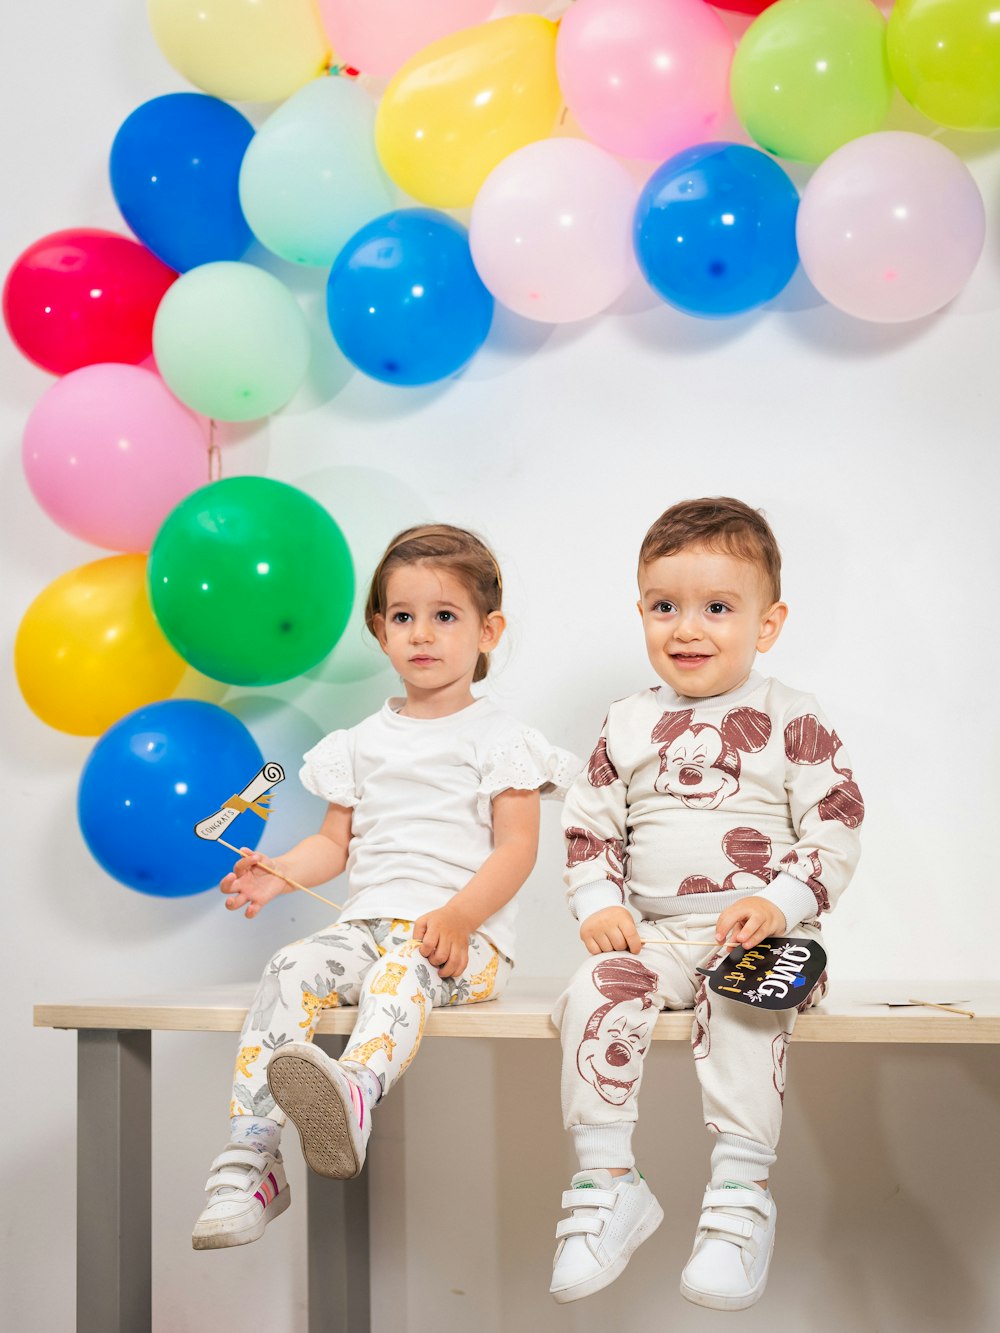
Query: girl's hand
(444,940)
(612,930)
(249,885)
(753,919)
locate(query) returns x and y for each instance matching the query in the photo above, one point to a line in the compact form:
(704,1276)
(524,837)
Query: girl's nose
(422,631)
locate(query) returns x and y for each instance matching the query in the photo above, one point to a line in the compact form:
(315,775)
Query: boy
(718,804)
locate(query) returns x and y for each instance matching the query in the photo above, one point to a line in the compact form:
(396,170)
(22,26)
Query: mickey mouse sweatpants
(376,965)
(606,1018)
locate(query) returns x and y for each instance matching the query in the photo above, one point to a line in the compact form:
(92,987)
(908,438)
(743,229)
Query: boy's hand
(611,930)
(444,940)
(249,885)
(753,919)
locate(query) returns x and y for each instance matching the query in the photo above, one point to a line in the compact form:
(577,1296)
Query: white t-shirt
(421,791)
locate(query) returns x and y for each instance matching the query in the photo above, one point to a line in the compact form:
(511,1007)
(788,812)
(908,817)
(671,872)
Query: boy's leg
(740,1055)
(606,1018)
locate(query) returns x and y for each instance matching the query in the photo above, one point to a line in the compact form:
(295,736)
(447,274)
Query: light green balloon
(945,56)
(310,177)
(809,75)
(231,341)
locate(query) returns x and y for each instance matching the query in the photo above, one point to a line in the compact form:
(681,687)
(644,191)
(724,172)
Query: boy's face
(706,614)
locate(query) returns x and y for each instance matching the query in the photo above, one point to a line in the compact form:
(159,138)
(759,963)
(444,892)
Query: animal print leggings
(375,965)
(606,1017)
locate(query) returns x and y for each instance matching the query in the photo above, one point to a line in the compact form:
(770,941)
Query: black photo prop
(778,973)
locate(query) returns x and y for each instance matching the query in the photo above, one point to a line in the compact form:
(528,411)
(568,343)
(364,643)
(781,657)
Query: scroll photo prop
(778,973)
(255,796)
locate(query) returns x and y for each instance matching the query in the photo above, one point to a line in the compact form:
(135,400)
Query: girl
(433,811)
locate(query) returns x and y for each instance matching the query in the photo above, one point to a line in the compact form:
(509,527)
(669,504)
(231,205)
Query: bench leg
(114,1198)
(338,1256)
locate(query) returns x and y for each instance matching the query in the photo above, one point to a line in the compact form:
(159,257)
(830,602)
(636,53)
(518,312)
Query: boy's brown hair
(719,523)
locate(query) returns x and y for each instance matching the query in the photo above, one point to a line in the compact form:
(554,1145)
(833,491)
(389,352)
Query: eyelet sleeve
(328,771)
(525,761)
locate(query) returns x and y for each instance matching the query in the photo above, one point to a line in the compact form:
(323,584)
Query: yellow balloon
(464,103)
(242,50)
(88,650)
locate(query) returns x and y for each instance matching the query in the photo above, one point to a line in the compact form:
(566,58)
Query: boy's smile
(706,614)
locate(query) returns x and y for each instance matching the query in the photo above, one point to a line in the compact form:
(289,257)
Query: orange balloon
(88,650)
(464,103)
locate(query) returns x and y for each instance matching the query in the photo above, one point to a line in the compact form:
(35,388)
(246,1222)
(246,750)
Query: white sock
(366,1080)
(250,1131)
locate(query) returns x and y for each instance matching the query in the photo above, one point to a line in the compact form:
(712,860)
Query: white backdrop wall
(873,451)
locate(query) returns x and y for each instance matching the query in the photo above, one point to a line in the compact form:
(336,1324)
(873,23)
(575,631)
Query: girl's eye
(446,616)
(400,617)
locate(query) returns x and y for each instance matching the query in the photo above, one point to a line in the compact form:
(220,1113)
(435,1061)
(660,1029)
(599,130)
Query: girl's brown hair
(720,524)
(460,552)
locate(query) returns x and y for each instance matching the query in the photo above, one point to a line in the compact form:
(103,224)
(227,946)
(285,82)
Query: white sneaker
(246,1190)
(324,1105)
(732,1248)
(610,1217)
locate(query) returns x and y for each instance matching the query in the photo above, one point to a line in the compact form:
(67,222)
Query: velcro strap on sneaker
(579,1226)
(239,1157)
(588,1198)
(730,1198)
(714,1220)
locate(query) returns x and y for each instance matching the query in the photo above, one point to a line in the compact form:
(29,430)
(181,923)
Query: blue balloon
(714,229)
(175,171)
(404,300)
(153,776)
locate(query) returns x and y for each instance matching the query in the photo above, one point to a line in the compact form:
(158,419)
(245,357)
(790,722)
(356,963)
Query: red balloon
(82,296)
(742,6)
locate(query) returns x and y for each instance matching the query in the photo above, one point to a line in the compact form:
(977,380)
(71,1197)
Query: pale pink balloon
(890,227)
(551,230)
(645,78)
(377,36)
(109,451)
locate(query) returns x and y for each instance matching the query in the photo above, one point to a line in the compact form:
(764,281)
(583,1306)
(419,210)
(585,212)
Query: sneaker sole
(712,1301)
(321,1112)
(645,1228)
(222,1237)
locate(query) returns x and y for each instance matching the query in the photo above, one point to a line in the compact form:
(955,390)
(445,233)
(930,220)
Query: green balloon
(945,57)
(251,581)
(231,341)
(809,75)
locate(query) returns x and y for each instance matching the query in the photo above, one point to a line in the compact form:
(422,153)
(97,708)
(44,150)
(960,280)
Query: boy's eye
(663,608)
(718,608)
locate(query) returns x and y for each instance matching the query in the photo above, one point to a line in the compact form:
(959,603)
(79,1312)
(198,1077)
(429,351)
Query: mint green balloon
(310,176)
(251,581)
(809,75)
(231,341)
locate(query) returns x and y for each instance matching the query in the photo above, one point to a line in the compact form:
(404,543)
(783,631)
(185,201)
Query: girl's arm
(314,860)
(445,933)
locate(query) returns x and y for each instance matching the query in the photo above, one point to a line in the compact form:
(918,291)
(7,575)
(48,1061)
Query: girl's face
(433,633)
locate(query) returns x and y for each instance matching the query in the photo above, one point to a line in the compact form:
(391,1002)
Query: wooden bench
(114,1202)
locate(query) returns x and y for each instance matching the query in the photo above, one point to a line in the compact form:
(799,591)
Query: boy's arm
(596,832)
(827,811)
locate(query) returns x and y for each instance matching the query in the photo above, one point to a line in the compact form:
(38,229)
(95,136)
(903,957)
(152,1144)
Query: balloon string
(214,454)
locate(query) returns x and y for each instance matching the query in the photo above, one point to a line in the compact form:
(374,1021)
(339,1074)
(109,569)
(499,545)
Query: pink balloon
(109,452)
(377,36)
(645,78)
(891,226)
(551,230)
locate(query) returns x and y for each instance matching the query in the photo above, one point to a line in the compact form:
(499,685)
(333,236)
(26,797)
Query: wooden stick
(948,1008)
(272,870)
